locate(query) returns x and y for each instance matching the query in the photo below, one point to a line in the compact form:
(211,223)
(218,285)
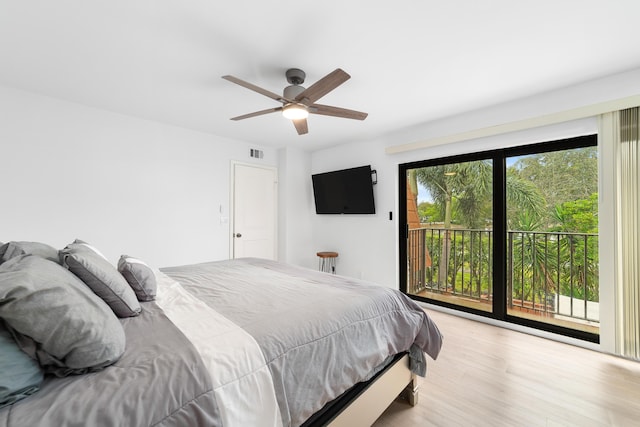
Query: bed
(245,342)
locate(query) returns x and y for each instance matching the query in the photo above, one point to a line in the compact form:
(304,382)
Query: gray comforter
(320,333)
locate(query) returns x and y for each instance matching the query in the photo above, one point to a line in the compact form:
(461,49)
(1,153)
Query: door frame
(232,192)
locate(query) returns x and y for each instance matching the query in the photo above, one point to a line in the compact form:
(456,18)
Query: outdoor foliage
(430,212)
(552,218)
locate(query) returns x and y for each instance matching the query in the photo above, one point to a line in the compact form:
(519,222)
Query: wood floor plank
(492,376)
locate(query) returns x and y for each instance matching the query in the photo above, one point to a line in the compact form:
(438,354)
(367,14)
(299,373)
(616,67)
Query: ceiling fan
(298,102)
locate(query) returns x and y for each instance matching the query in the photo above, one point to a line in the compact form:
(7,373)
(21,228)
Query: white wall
(295,208)
(124,184)
(365,243)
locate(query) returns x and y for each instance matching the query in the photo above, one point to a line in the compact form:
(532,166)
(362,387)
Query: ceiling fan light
(295,112)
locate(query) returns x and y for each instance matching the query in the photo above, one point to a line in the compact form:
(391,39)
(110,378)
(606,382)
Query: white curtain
(623,132)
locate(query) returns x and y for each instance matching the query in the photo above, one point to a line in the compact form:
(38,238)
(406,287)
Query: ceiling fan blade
(301,126)
(327,110)
(323,86)
(257,113)
(255,88)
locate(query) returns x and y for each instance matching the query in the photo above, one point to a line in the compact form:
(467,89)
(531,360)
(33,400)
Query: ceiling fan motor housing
(290,92)
(295,76)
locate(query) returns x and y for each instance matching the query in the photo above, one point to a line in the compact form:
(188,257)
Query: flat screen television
(347,191)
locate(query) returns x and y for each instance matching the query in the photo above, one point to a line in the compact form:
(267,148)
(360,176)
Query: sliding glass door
(510,234)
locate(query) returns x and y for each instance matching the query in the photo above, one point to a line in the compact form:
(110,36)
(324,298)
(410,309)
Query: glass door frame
(498,158)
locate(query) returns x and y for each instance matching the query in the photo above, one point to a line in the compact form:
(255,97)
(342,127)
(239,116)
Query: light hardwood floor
(491,376)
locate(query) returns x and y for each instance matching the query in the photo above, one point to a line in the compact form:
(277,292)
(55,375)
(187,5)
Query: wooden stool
(327,261)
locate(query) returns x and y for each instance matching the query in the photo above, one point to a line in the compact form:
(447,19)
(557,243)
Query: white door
(255,201)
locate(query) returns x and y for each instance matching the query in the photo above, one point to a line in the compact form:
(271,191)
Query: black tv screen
(347,191)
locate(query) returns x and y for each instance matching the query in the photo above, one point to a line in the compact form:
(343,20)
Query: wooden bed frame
(365,402)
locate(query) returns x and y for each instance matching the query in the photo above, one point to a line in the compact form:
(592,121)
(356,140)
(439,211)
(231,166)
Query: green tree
(530,267)
(560,176)
(580,274)
(430,212)
(470,184)
(577,216)
(525,202)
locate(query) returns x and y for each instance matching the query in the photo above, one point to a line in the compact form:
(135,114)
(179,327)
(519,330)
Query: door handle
(238,235)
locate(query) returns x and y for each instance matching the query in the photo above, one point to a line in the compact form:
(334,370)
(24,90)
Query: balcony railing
(552,274)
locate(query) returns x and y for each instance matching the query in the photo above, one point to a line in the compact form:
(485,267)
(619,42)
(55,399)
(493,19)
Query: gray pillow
(102,277)
(58,320)
(140,277)
(13,249)
(21,375)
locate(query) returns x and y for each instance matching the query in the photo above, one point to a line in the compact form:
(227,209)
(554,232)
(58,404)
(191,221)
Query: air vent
(256,154)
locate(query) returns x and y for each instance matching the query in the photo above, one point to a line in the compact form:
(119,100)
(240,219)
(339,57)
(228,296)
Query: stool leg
(326,264)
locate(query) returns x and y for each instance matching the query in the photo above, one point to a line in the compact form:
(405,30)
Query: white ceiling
(410,61)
